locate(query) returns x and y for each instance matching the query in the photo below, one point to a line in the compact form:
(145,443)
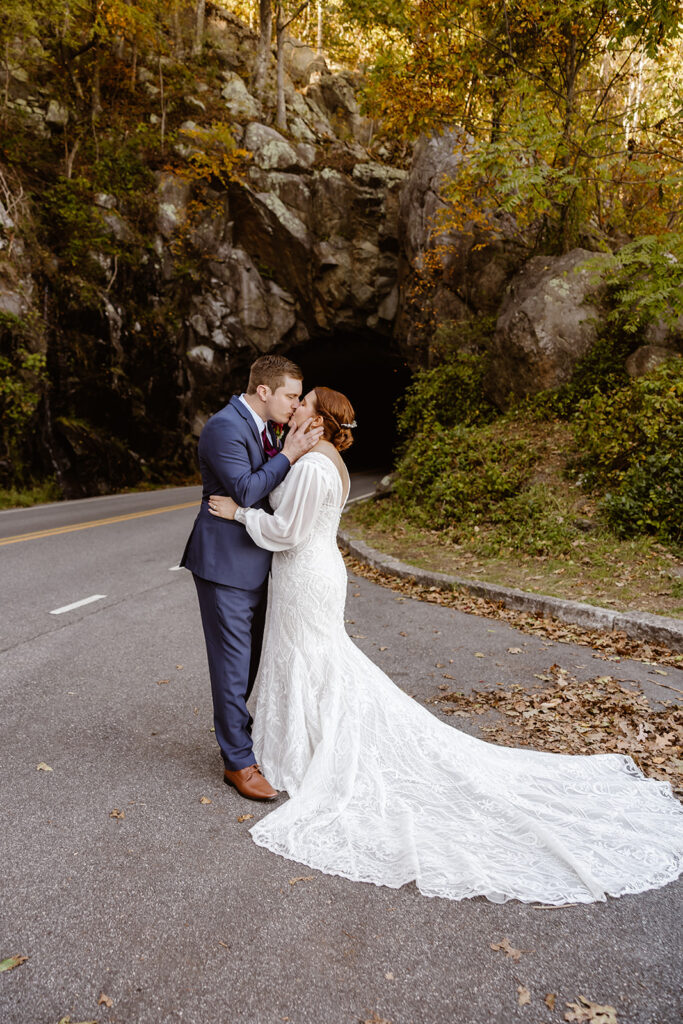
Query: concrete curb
(659,629)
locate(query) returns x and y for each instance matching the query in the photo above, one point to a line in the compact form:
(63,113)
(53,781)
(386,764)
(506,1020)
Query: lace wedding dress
(382,791)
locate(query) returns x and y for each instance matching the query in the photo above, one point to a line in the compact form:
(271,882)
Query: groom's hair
(271,371)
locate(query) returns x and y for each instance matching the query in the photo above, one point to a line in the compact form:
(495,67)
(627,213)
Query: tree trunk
(162,100)
(200,15)
(319,41)
(281,116)
(134,65)
(96,106)
(263,52)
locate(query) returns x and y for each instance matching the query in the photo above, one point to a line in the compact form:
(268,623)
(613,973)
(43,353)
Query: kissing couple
(380,790)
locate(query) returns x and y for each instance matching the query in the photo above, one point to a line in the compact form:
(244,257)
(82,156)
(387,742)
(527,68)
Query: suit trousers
(233,622)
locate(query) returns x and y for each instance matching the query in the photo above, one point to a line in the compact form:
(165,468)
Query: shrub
(614,431)
(599,372)
(631,444)
(650,497)
(448,394)
(460,474)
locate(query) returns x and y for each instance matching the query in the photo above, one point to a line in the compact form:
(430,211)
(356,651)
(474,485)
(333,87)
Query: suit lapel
(248,418)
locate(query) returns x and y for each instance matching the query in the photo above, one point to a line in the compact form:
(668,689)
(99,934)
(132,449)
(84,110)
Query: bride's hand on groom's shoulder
(222,506)
(300,440)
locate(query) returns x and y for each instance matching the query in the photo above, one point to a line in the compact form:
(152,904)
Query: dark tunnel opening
(373,375)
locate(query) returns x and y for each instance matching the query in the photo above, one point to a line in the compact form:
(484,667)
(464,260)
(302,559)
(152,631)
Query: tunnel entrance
(373,375)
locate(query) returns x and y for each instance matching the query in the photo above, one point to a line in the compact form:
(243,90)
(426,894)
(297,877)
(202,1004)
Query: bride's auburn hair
(335,410)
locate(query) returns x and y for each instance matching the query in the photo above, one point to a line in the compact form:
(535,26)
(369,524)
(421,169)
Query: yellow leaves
(301,878)
(204,800)
(117,814)
(42,767)
(550,1000)
(104,1000)
(245,817)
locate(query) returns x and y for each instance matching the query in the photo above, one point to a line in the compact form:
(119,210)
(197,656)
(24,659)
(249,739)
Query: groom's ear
(263,391)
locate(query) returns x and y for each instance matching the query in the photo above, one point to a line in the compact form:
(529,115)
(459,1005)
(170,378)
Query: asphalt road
(167,909)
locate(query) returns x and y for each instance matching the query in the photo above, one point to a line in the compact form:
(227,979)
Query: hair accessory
(349,425)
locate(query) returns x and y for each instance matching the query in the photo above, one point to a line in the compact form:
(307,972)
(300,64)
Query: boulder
(308,121)
(271,150)
(665,333)
(230,40)
(301,61)
(476,263)
(648,358)
(547,322)
(240,103)
(334,96)
(57,114)
(173,196)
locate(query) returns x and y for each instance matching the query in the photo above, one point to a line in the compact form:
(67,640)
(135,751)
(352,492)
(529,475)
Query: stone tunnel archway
(373,374)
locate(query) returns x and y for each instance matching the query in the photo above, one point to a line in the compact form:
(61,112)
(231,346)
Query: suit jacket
(232,461)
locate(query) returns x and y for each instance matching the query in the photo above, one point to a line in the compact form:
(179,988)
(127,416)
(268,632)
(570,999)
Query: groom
(239,456)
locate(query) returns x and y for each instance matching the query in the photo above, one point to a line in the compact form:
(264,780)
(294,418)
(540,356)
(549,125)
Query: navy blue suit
(230,571)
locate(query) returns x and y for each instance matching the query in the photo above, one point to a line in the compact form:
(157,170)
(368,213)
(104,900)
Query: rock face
(548,320)
(314,236)
(475,266)
(648,358)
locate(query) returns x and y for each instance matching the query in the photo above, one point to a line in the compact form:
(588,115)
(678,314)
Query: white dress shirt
(260,424)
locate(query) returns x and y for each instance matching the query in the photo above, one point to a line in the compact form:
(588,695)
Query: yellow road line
(38,534)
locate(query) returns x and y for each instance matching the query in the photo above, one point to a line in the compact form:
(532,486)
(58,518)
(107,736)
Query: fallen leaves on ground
(596,716)
(375,1019)
(204,800)
(162,682)
(506,947)
(42,767)
(301,878)
(245,817)
(550,1000)
(10,962)
(590,1013)
(67,1020)
(606,645)
(523,995)
(118,814)
(104,1000)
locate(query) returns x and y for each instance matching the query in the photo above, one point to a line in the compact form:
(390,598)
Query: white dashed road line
(77,604)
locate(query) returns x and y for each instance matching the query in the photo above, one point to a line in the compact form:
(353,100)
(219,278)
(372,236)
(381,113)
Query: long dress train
(382,791)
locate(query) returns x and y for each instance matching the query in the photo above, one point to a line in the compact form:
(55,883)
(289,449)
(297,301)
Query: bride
(382,791)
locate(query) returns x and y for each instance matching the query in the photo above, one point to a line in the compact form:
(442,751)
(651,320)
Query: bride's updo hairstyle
(338,417)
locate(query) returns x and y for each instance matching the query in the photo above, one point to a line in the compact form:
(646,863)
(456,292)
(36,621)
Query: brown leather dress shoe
(250,783)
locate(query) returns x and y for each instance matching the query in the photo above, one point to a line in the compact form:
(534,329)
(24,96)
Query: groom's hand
(300,440)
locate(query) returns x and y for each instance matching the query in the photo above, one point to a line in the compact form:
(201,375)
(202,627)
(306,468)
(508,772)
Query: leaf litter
(586,1012)
(570,716)
(608,646)
(506,947)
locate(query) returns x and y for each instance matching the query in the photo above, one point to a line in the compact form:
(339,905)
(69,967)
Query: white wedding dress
(382,791)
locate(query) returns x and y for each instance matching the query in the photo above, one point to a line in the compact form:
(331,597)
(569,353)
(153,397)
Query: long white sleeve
(304,488)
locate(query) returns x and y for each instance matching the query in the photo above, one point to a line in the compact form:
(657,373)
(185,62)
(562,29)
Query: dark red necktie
(269,448)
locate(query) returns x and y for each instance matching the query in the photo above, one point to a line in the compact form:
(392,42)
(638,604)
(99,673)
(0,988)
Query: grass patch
(13,497)
(543,535)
